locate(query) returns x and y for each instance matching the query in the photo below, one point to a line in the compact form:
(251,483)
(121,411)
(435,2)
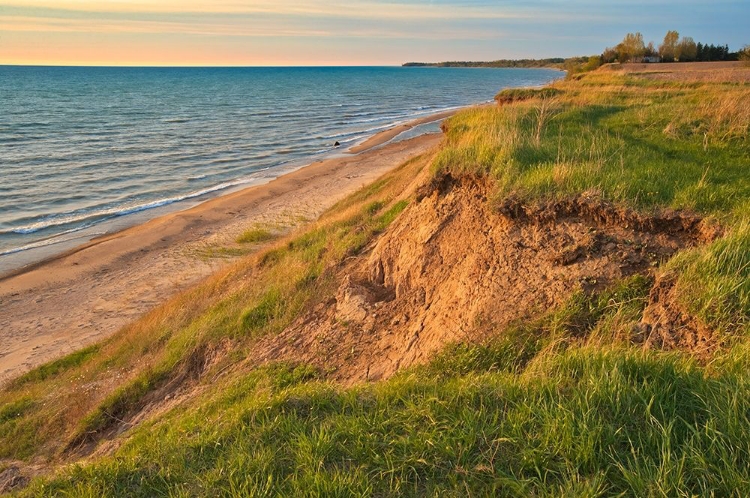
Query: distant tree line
(713,52)
(631,49)
(552,62)
(672,49)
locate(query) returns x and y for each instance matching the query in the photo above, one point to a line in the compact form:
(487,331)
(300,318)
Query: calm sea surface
(82,147)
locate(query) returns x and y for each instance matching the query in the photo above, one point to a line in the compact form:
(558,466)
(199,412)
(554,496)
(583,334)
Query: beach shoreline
(77,297)
(18,262)
(393,132)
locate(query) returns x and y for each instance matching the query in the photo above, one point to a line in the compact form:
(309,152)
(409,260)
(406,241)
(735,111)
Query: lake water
(82,147)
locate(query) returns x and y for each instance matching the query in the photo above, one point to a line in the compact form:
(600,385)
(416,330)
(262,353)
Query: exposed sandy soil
(80,297)
(14,477)
(451,263)
(727,72)
(665,325)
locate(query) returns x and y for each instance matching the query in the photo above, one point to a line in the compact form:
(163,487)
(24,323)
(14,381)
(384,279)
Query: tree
(650,50)
(667,48)
(744,54)
(686,50)
(631,47)
(609,55)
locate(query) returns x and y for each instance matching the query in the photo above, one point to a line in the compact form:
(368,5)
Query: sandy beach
(63,304)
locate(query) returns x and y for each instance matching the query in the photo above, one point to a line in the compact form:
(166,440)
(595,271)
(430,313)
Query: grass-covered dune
(563,403)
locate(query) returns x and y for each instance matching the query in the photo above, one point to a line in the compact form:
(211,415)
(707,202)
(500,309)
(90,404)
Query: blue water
(82,146)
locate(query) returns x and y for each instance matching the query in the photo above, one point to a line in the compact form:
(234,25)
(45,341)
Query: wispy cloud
(291,19)
(309,8)
(373,31)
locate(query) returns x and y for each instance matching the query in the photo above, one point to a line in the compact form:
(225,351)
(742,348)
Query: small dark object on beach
(337,144)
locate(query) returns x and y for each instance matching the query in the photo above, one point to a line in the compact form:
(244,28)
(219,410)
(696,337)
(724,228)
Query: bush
(511,95)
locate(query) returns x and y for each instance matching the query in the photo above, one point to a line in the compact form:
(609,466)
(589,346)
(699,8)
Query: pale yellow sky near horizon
(336,32)
(223,32)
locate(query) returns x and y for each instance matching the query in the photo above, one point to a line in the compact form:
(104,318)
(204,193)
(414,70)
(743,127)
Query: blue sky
(354,32)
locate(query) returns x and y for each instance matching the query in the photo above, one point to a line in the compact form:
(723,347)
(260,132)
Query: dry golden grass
(705,72)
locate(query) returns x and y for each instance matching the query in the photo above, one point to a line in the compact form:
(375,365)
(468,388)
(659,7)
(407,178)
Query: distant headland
(555,63)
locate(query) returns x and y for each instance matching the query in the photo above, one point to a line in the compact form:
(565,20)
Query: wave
(409,116)
(50,241)
(379,118)
(12,138)
(374,129)
(37,124)
(105,214)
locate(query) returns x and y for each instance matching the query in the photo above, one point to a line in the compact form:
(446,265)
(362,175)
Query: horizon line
(241,66)
(185,66)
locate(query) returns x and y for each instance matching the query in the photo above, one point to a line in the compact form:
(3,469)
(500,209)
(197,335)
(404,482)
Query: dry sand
(73,300)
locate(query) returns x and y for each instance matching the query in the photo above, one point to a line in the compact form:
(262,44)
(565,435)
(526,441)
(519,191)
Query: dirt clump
(12,479)
(453,261)
(16,475)
(666,325)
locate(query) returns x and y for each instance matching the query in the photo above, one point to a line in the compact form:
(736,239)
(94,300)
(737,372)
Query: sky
(351,32)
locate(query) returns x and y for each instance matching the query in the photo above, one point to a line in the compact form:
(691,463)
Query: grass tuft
(270,307)
(255,236)
(714,282)
(56,367)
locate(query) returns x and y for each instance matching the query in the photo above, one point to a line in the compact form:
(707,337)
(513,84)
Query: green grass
(539,409)
(714,282)
(270,307)
(645,144)
(255,235)
(221,252)
(562,404)
(57,367)
(647,148)
(581,422)
(288,280)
